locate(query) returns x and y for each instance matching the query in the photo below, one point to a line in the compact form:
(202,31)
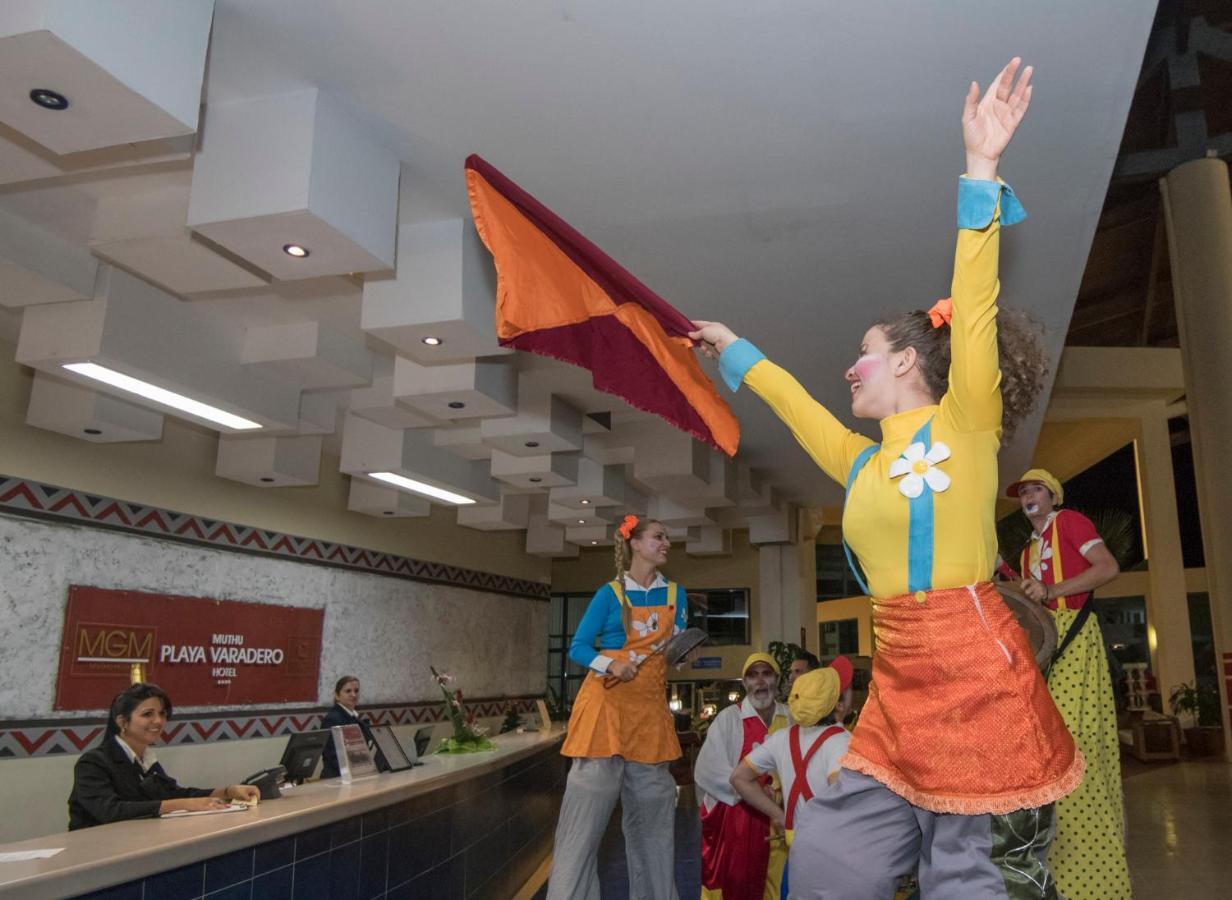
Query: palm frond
(1115,526)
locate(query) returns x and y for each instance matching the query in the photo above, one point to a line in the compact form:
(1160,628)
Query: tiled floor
(1180,830)
(613,867)
(613,871)
(1180,835)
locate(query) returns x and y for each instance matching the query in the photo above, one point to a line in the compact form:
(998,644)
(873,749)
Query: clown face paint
(867,367)
(760,683)
(1036,499)
(870,377)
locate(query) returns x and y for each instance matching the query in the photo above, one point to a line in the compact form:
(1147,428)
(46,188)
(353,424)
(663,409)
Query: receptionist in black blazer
(121,778)
(343,712)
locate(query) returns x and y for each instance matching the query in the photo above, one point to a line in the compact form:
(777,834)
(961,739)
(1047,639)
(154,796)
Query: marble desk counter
(95,858)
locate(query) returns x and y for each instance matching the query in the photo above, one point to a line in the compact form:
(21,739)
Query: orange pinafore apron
(958,718)
(630,719)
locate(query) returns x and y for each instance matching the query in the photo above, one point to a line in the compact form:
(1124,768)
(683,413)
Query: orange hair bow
(941,313)
(627,526)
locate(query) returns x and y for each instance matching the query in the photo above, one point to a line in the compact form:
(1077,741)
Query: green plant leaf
(1115,526)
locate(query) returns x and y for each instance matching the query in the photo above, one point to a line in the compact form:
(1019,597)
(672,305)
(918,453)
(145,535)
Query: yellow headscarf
(814,696)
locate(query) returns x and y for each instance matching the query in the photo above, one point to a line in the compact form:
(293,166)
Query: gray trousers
(647,795)
(855,839)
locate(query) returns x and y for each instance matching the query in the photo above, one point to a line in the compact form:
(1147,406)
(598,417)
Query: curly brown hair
(1020,350)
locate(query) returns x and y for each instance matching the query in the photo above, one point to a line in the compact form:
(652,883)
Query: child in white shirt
(810,748)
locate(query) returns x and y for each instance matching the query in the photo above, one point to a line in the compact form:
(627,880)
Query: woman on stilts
(1062,563)
(959,752)
(621,733)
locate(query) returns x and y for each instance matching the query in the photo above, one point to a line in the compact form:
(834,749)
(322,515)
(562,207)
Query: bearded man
(738,862)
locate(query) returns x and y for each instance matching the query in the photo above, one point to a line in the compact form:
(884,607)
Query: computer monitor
(390,755)
(423,737)
(303,753)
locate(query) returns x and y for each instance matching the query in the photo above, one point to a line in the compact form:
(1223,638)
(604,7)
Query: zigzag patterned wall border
(31,498)
(53,737)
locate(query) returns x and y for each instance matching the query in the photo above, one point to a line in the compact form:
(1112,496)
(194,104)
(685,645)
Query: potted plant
(513,721)
(784,652)
(557,710)
(1200,704)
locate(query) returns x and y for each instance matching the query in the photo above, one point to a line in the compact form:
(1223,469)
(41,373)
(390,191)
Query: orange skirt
(958,717)
(630,719)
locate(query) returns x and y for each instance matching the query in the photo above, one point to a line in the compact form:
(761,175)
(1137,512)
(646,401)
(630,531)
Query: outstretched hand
(990,122)
(715,337)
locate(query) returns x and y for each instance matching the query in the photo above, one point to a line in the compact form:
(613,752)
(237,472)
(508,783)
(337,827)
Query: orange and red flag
(559,295)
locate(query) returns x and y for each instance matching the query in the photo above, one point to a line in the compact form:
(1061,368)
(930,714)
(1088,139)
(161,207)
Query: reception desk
(472,825)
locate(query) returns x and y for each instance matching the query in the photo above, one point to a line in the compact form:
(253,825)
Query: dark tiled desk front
(474,826)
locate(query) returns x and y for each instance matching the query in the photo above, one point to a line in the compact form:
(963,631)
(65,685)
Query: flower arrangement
(513,721)
(468,737)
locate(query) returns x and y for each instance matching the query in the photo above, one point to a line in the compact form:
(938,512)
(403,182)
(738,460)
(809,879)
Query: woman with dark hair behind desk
(121,778)
(346,696)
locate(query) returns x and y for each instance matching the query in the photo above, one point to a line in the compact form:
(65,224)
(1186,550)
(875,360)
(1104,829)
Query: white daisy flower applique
(919,469)
(637,658)
(1040,566)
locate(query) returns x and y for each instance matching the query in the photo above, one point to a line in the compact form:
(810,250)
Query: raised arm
(832,445)
(973,401)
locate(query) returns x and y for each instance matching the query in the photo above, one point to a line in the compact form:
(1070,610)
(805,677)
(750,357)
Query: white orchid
(637,658)
(919,468)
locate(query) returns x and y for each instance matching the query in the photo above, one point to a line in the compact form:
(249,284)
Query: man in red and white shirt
(1066,558)
(1062,564)
(738,863)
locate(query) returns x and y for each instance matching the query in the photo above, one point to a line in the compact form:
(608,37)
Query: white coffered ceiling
(784,166)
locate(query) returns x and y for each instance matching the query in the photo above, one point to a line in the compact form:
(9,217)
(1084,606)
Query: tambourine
(1035,620)
(675,650)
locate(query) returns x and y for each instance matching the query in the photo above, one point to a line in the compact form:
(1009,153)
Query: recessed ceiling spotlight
(532,443)
(457,404)
(594,543)
(534,480)
(431,341)
(295,250)
(581,521)
(586,503)
(267,479)
(92,430)
(49,99)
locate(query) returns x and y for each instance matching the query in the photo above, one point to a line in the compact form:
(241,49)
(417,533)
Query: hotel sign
(202,652)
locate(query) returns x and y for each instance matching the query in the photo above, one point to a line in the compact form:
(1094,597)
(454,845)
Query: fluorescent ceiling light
(410,484)
(162,395)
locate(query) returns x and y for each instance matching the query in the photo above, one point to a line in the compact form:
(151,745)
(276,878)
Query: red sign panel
(202,652)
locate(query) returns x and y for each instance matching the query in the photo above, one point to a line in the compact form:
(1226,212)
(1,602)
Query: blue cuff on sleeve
(735,362)
(977,203)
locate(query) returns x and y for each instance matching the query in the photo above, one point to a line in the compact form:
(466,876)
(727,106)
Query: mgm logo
(98,646)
